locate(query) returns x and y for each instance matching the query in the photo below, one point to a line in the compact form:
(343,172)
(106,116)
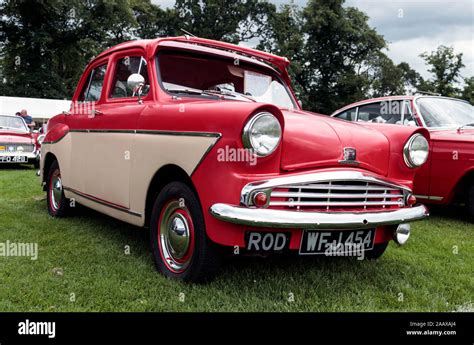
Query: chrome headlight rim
(246,134)
(407,151)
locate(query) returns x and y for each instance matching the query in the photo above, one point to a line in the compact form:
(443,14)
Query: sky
(412,27)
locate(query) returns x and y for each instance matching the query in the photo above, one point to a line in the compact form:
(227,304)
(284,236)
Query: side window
(94,84)
(125,67)
(370,113)
(349,115)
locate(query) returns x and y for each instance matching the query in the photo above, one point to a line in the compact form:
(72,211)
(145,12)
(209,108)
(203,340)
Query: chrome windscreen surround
(328,191)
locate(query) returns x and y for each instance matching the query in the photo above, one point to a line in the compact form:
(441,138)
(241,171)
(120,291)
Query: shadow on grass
(14,166)
(452,212)
(286,264)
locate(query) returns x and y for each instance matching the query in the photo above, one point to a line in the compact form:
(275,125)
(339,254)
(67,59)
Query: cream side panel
(151,152)
(79,154)
(107,169)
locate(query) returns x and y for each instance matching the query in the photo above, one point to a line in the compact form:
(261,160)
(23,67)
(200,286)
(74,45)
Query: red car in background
(17,143)
(204,143)
(448,176)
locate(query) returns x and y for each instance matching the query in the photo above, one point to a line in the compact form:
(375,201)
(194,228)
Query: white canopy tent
(39,109)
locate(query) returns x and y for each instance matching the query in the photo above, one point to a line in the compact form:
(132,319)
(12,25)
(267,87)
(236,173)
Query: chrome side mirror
(136,82)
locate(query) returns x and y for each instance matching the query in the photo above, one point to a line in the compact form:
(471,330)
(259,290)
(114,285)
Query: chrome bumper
(315,220)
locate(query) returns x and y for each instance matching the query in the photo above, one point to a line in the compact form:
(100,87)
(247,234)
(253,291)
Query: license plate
(13,159)
(267,241)
(336,242)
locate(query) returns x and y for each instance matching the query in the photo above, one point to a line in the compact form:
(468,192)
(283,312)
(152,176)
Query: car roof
(279,62)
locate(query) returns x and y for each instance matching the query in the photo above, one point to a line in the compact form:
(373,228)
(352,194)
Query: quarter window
(95,82)
(126,67)
(349,115)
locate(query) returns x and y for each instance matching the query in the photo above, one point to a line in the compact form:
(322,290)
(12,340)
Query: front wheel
(181,249)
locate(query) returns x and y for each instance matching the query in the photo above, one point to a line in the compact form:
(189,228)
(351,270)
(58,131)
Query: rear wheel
(58,205)
(377,251)
(181,249)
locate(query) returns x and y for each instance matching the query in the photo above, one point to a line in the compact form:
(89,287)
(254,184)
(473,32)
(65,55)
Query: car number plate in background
(323,242)
(13,159)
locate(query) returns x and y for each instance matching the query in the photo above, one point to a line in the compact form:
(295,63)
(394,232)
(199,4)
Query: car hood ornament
(349,156)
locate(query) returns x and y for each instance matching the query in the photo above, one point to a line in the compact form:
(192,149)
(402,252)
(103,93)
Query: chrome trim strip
(341,187)
(337,203)
(333,196)
(429,197)
(139,131)
(344,175)
(103,202)
(315,220)
(145,131)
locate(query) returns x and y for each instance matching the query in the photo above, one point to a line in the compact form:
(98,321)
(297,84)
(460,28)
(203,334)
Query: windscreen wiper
(229,93)
(466,125)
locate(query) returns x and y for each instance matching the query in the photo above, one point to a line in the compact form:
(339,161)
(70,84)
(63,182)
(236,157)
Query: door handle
(95,112)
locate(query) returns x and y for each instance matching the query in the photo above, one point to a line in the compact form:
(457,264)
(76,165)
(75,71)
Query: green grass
(89,250)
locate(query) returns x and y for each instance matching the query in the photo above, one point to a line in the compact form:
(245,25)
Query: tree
(47,43)
(468,91)
(446,68)
(331,47)
(226,20)
(152,21)
(412,80)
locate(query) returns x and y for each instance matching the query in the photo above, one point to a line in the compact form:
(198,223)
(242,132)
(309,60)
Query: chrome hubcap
(175,236)
(57,190)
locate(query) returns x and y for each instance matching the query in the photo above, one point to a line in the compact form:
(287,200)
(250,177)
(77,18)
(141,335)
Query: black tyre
(180,247)
(58,205)
(377,251)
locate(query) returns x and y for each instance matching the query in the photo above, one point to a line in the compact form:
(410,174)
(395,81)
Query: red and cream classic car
(448,176)
(205,144)
(17,143)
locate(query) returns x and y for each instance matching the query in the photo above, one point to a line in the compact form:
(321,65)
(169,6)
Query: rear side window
(126,67)
(94,84)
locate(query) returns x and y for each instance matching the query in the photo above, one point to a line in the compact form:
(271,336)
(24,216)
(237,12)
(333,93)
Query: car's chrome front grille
(336,195)
(13,147)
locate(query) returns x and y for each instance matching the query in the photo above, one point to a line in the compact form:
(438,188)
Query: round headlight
(262,134)
(416,151)
(20,148)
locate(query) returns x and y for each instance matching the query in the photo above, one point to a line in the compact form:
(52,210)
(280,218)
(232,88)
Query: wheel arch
(166,174)
(48,161)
